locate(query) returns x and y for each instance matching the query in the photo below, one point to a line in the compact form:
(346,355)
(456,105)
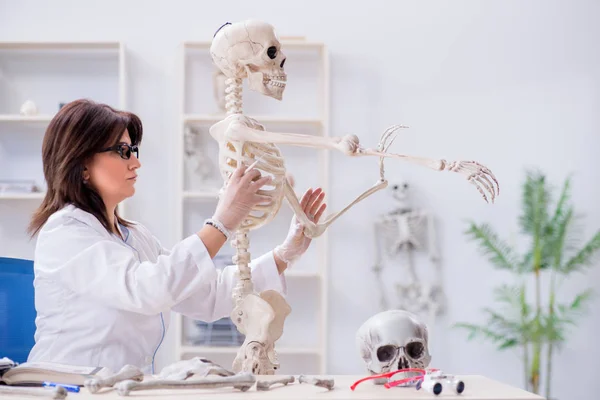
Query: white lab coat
(102,301)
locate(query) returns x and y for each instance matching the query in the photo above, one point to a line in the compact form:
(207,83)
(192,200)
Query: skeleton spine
(233,96)
(233,105)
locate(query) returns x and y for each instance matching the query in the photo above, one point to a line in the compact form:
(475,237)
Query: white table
(476,387)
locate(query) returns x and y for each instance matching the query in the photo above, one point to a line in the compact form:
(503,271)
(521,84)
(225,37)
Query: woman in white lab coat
(104,286)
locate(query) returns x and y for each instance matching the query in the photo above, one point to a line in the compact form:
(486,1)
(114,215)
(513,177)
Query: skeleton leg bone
(57,392)
(242,382)
(266,385)
(324,383)
(128,372)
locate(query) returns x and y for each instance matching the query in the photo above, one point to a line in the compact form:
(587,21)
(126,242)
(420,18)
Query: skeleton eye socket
(405,186)
(415,350)
(395,187)
(386,353)
(272,52)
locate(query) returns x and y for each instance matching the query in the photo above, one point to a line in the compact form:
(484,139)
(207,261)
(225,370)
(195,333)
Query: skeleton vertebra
(251,49)
(393,340)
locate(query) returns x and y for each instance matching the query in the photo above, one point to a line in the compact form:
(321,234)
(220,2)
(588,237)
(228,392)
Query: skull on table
(393,340)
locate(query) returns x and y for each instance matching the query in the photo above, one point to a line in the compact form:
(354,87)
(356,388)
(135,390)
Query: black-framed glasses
(124,150)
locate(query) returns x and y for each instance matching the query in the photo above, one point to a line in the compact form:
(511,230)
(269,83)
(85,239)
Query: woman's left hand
(296,243)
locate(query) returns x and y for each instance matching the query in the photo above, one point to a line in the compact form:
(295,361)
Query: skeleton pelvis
(260,318)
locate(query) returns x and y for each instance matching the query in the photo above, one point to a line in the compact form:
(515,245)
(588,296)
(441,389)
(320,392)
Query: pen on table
(68,388)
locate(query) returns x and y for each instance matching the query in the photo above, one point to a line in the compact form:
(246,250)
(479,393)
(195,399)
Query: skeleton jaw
(271,85)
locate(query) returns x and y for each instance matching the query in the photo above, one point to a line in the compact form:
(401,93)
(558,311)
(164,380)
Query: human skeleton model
(401,232)
(250,49)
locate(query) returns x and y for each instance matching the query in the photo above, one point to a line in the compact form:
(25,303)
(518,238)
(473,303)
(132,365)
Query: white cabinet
(48,74)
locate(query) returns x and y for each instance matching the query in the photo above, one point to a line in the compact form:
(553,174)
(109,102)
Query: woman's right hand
(240,196)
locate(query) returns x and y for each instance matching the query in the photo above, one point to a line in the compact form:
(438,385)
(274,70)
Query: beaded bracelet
(219,226)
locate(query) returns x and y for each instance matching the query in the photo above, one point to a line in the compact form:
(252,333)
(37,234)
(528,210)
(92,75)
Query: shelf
(25,118)
(294,44)
(22,196)
(234,349)
(60,45)
(265,119)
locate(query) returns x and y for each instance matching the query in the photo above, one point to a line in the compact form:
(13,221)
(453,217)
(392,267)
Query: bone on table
(324,383)
(128,372)
(266,385)
(242,381)
(57,392)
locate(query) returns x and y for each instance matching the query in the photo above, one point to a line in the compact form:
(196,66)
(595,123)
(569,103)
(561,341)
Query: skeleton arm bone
(347,144)
(479,175)
(313,230)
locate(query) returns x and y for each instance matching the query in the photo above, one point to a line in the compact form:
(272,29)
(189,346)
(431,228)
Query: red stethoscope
(392,383)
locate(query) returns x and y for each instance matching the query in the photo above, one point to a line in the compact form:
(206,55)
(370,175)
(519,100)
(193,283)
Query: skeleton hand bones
(477,174)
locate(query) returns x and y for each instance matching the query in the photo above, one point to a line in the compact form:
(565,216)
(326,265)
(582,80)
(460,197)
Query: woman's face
(113,176)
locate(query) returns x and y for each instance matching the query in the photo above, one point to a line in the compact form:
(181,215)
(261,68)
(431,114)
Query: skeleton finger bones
(242,381)
(265,385)
(128,372)
(57,392)
(324,383)
(479,175)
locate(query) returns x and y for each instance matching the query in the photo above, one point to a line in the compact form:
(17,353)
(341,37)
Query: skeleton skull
(250,49)
(393,340)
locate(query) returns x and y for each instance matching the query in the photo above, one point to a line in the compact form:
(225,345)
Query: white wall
(511,84)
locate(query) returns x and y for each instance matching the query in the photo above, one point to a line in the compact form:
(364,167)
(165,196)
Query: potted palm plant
(536,329)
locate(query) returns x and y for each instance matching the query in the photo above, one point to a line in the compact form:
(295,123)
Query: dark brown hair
(79,130)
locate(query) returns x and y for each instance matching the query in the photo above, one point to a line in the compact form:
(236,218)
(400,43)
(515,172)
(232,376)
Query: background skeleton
(400,233)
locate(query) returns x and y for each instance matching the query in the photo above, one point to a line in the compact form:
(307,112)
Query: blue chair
(17,309)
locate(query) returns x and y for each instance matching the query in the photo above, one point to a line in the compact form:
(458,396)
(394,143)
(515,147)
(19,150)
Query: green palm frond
(501,322)
(554,328)
(514,298)
(580,302)
(566,315)
(484,332)
(559,238)
(583,258)
(561,205)
(535,199)
(498,252)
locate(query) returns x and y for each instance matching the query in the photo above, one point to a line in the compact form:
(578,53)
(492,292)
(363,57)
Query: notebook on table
(36,373)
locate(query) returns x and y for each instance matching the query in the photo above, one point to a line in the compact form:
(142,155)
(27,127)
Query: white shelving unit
(303,346)
(47,73)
